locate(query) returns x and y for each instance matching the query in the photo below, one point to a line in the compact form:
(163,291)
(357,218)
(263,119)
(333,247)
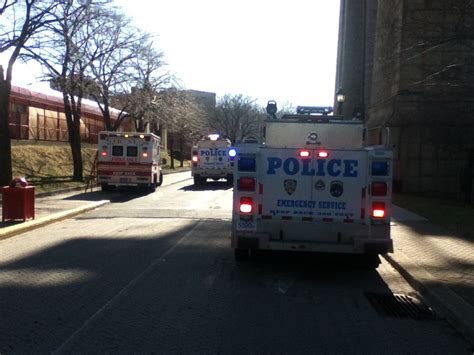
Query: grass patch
(451,214)
(48,165)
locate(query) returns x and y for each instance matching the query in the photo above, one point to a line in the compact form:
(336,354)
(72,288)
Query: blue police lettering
(333,167)
(332,205)
(306,170)
(349,168)
(213,152)
(291,166)
(273,164)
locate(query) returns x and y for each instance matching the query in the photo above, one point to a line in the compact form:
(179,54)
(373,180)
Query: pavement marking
(115,299)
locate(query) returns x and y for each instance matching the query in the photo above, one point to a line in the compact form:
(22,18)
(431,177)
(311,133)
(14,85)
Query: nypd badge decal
(290,186)
(337,188)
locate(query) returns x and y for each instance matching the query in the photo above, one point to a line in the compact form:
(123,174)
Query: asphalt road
(155,273)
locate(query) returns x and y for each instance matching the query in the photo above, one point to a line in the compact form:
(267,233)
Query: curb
(457,311)
(27,226)
(83,187)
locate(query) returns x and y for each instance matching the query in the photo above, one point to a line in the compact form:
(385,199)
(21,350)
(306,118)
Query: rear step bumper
(358,246)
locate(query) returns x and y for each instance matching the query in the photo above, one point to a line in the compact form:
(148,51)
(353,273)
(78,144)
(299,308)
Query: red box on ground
(18,203)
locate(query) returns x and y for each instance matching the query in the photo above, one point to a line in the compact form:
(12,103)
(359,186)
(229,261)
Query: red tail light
(246,184)
(379,189)
(323,154)
(104,153)
(195,158)
(378,210)
(304,153)
(246,205)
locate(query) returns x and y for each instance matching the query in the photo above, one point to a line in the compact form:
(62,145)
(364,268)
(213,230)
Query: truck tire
(241,254)
(160,180)
(198,180)
(106,187)
(370,261)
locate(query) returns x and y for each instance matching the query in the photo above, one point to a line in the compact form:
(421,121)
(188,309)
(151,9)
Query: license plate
(246,225)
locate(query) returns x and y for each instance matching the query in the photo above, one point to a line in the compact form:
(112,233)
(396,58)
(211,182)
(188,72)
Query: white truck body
(210,159)
(129,159)
(312,186)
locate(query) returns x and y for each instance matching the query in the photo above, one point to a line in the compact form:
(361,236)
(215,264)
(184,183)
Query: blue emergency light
(379,168)
(246,164)
(232,152)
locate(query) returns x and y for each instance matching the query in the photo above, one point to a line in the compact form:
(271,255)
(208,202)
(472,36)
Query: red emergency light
(304,153)
(323,154)
(246,184)
(378,210)
(195,158)
(379,188)
(145,155)
(103,153)
(246,205)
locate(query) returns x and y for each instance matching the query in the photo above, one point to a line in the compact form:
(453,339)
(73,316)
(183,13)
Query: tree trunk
(5,142)
(171,153)
(74,133)
(181,149)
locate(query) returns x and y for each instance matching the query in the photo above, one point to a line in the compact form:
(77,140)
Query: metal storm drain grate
(399,306)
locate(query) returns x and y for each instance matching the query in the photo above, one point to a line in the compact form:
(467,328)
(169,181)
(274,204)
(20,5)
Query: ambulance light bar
(308,110)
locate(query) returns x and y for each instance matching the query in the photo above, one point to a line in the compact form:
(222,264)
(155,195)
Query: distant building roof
(52,100)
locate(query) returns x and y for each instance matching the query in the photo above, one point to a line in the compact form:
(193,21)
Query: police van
(212,157)
(129,159)
(312,186)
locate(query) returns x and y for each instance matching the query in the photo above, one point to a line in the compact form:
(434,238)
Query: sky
(269,50)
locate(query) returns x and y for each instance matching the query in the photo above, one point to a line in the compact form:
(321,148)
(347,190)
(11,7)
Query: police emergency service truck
(212,157)
(129,159)
(312,186)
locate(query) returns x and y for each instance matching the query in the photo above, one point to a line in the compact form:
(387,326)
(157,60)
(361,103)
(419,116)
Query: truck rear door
(310,186)
(213,158)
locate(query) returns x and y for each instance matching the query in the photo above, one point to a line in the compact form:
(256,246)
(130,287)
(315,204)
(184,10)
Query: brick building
(39,116)
(408,66)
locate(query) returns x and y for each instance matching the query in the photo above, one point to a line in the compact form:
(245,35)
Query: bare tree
(62,52)
(146,77)
(19,21)
(237,117)
(185,122)
(115,71)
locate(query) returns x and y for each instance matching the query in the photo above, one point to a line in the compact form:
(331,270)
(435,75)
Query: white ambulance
(212,157)
(129,159)
(312,186)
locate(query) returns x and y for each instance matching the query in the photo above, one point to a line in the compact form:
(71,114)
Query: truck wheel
(199,180)
(106,187)
(241,254)
(370,261)
(160,180)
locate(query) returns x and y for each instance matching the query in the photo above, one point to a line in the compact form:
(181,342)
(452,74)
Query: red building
(39,116)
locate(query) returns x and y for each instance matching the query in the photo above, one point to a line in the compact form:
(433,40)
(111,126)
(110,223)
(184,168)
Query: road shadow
(307,261)
(49,310)
(208,186)
(122,194)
